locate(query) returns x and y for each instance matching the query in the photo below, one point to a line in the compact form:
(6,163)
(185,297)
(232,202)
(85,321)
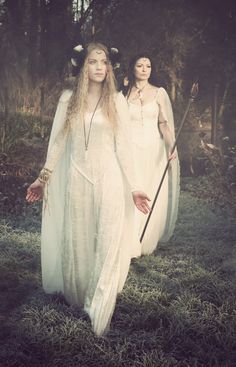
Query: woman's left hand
(141,201)
(35,191)
(172,156)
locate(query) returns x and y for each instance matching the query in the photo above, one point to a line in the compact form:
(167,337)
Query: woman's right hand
(141,201)
(172,155)
(35,191)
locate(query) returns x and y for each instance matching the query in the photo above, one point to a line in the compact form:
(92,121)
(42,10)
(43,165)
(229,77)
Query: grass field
(177,308)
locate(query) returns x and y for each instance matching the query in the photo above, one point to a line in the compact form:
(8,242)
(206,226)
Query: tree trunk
(223,101)
(173,91)
(34,41)
(214,115)
(5,119)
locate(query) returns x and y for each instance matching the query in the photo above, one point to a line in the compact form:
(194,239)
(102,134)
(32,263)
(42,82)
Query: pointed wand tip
(194,90)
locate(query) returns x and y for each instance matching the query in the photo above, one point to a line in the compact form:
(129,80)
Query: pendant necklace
(86,138)
(140,94)
(140,90)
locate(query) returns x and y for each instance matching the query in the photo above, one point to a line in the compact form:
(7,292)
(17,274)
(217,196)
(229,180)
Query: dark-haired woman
(152,129)
(91,185)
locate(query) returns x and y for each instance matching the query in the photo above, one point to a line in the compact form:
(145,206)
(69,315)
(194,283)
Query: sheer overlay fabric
(88,220)
(150,154)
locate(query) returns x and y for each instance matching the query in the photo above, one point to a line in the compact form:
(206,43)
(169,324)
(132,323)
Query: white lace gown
(150,155)
(87,231)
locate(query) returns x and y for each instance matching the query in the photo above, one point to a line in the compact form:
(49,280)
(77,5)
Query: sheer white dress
(87,235)
(150,155)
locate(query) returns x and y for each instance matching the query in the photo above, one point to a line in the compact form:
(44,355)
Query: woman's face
(97,66)
(142,69)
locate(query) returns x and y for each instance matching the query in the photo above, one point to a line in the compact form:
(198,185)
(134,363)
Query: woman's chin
(98,79)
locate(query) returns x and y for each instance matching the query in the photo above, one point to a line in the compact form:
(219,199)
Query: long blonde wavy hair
(78,101)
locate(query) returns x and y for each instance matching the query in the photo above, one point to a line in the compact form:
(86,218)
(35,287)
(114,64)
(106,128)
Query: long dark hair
(130,74)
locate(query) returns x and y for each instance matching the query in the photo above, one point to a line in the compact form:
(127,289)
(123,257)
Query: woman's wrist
(135,189)
(44,175)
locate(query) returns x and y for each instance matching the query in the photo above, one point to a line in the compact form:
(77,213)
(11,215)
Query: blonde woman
(152,129)
(86,241)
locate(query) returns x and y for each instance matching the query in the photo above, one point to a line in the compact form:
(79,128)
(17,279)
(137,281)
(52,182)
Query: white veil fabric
(173,171)
(53,208)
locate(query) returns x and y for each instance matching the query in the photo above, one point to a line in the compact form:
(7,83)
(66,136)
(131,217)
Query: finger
(147,207)
(31,199)
(29,196)
(144,196)
(142,209)
(36,196)
(145,202)
(28,190)
(172,156)
(139,207)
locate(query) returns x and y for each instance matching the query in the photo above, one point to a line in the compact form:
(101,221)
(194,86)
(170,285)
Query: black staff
(193,95)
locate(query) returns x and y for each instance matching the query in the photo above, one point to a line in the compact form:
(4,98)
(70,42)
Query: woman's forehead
(143,60)
(97,54)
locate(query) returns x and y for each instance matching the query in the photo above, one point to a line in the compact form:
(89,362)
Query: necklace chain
(140,91)
(140,94)
(86,139)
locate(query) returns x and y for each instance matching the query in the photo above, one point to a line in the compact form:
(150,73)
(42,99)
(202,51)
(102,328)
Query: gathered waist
(94,170)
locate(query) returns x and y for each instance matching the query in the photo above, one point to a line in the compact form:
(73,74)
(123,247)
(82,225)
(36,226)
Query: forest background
(178,305)
(188,40)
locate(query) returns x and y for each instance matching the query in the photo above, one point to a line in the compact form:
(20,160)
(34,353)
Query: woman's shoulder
(119,97)
(162,94)
(65,96)
(158,90)
(162,91)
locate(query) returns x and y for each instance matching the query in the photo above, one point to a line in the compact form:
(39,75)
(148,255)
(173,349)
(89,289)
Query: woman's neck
(141,84)
(95,89)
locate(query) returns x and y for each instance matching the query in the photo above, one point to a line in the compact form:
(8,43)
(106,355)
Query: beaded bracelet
(44,175)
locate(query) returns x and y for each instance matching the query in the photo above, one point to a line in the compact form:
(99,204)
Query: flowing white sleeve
(123,142)
(59,134)
(166,112)
(164,103)
(52,234)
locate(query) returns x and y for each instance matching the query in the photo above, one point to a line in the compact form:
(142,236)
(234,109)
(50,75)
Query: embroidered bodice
(144,123)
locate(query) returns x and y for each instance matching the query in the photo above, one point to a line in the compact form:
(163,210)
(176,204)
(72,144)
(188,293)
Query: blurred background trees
(188,40)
